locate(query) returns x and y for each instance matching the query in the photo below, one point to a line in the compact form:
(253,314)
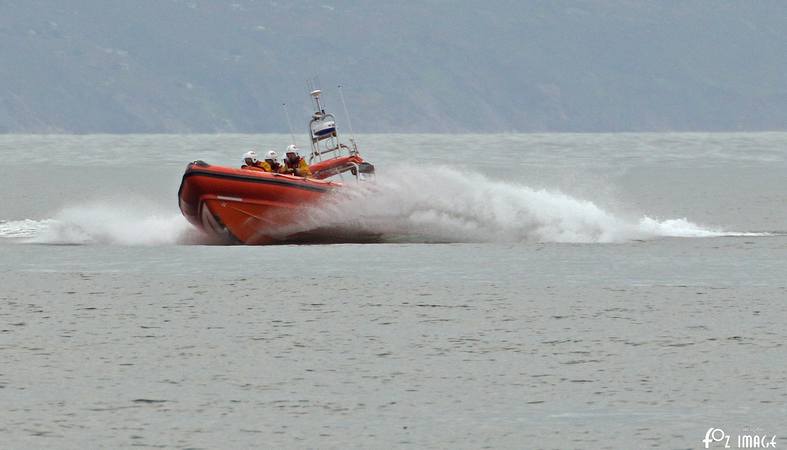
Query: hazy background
(112,66)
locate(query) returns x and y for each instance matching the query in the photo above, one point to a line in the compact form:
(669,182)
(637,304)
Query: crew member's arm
(303,169)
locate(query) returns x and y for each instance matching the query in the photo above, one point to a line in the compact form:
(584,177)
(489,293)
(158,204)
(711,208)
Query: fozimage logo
(744,440)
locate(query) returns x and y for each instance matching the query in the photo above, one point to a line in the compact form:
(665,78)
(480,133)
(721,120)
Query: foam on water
(439,205)
(102,224)
(27,228)
(684,228)
(447,205)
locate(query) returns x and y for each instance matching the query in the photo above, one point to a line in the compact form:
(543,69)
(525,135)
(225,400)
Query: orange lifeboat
(255,207)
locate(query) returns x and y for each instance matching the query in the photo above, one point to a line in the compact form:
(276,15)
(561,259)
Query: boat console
(329,155)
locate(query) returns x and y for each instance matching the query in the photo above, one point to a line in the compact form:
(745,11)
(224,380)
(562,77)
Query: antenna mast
(347,113)
(289,124)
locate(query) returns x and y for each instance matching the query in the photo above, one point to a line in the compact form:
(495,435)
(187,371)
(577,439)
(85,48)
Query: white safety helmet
(292,149)
(272,155)
(250,155)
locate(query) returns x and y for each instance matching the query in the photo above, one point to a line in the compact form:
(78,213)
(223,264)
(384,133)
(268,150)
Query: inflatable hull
(250,207)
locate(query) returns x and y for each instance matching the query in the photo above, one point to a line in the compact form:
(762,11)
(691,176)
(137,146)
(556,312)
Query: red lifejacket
(298,168)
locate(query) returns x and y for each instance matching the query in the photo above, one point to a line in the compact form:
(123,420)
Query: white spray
(403,205)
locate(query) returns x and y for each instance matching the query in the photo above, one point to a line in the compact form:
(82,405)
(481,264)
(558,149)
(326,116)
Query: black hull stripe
(226,176)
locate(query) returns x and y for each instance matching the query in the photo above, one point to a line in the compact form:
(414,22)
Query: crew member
(294,164)
(252,163)
(272,159)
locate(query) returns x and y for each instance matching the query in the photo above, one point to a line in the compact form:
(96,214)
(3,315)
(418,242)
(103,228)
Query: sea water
(528,291)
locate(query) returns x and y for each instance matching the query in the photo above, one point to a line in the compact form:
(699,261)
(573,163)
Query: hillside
(88,66)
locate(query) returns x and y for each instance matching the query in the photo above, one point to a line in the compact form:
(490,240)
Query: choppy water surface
(588,291)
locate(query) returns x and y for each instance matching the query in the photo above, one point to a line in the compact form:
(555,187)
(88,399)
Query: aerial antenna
(347,113)
(313,83)
(289,124)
